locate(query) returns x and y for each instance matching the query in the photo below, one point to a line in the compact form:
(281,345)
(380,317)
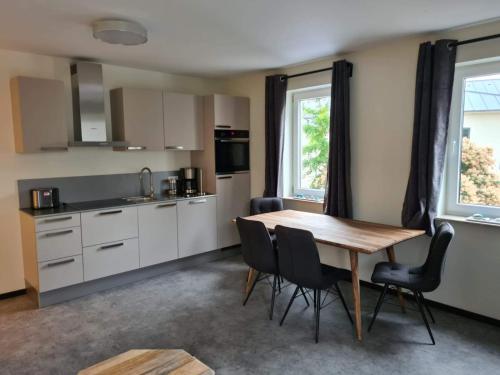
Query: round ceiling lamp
(123,32)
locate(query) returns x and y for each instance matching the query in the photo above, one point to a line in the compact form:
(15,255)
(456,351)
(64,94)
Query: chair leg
(279,283)
(379,304)
(318,309)
(427,307)
(273,296)
(422,312)
(341,296)
(305,297)
(251,289)
(289,305)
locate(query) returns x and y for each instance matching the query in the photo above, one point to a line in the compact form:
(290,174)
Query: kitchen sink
(138,199)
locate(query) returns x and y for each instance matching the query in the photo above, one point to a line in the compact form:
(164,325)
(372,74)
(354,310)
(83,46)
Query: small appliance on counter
(44,198)
(191,179)
(172,185)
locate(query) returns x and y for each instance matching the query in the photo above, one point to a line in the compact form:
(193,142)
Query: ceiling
(218,37)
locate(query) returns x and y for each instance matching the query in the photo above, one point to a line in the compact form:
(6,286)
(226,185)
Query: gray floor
(200,311)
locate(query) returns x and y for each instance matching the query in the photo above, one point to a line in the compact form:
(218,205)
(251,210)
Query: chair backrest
(256,246)
(264,205)
(433,267)
(298,257)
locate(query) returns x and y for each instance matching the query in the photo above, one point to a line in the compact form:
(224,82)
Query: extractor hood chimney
(89,119)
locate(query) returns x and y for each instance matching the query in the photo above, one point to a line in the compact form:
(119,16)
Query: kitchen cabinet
(231,112)
(38,113)
(110,258)
(59,243)
(137,117)
(157,233)
(197,228)
(109,225)
(183,121)
(233,200)
(59,273)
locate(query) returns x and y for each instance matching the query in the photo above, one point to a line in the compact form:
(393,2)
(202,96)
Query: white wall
(382,98)
(76,162)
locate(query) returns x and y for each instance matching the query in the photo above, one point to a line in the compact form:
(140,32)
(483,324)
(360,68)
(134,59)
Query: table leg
(392,258)
(356,293)
(250,276)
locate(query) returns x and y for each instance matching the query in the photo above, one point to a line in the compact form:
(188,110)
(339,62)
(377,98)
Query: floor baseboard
(12,294)
(439,305)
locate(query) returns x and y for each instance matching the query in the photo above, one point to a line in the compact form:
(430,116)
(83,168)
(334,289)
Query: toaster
(44,198)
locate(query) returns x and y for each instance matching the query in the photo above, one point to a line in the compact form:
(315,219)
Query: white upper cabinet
(231,112)
(38,111)
(137,117)
(183,121)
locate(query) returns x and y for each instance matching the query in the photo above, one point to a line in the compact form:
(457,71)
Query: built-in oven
(232,151)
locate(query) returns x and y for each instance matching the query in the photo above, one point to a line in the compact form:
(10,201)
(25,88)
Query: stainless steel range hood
(89,119)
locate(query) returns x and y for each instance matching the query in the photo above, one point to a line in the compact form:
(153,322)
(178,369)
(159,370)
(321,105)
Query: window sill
(295,199)
(463,219)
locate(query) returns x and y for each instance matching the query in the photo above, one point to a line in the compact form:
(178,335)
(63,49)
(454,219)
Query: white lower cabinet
(55,244)
(110,258)
(59,273)
(109,225)
(233,200)
(157,233)
(197,226)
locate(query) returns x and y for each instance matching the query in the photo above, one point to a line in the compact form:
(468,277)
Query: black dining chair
(300,264)
(262,205)
(259,253)
(419,280)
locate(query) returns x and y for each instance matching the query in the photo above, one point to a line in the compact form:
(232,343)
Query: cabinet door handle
(60,263)
(198,201)
(110,212)
(223,126)
(166,205)
(174,147)
(224,177)
(57,219)
(54,234)
(105,247)
(54,148)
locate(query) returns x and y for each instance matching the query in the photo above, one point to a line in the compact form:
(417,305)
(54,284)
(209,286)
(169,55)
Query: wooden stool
(150,361)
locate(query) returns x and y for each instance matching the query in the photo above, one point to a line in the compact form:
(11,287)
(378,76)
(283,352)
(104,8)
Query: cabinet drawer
(57,222)
(110,258)
(109,225)
(197,226)
(59,243)
(60,273)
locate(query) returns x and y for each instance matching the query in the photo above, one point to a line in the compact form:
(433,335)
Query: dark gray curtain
(338,196)
(435,71)
(276,86)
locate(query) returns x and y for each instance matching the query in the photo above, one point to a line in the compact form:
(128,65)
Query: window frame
(452,205)
(296,147)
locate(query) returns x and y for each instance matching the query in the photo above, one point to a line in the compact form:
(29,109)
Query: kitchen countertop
(67,208)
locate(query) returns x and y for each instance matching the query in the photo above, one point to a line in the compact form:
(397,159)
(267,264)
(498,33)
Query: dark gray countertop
(67,208)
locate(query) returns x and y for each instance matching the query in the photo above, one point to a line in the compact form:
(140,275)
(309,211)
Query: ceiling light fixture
(116,31)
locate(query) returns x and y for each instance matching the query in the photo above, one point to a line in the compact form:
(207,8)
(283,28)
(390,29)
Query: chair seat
(332,275)
(398,274)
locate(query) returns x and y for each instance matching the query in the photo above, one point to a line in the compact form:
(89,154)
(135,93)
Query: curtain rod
(475,40)
(314,71)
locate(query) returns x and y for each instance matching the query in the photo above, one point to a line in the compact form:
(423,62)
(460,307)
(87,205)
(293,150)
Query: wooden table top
(349,234)
(146,361)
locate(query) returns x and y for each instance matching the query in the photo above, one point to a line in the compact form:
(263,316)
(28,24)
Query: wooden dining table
(356,237)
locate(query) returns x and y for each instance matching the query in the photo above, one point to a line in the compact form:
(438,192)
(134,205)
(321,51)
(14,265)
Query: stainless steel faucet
(151,186)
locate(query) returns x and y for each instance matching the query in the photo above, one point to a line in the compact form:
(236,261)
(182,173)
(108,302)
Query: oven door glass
(231,156)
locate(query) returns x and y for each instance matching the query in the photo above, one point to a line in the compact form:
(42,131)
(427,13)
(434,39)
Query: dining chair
(263,205)
(423,279)
(300,264)
(260,254)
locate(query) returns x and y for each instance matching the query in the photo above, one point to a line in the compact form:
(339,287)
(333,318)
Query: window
(310,142)
(473,174)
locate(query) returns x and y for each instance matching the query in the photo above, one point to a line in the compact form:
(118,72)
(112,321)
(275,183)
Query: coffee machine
(191,181)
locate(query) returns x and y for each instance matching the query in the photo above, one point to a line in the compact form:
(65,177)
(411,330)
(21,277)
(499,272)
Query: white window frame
(296,96)
(452,189)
